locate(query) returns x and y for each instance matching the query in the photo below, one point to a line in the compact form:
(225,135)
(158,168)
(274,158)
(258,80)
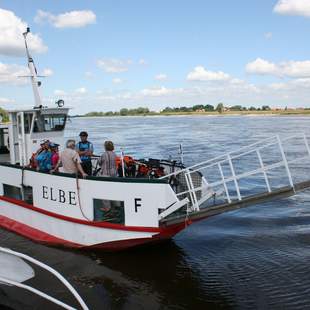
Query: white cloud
(114,65)
(304,82)
(47,72)
(107,98)
(292,69)
(296,92)
(201,74)
(117,81)
(237,81)
(13,74)
(11,36)
(6,100)
(142,62)
(89,74)
(161,91)
(161,77)
(277,86)
(59,92)
(81,90)
(293,7)
(73,19)
(296,68)
(261,66)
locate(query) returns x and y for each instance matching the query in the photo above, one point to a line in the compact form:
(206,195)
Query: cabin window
(52,122)
(28,194)
(12,191)
(27,122)
(111,211)
(4,141)
(16,193)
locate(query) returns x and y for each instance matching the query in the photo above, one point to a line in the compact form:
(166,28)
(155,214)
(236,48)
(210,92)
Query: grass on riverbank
(267,112)
(226,113)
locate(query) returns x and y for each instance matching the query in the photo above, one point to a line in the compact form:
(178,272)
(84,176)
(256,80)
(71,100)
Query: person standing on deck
(70,160)
(107,161)
(33,162)
(55,154)
(85,149)
(43,160)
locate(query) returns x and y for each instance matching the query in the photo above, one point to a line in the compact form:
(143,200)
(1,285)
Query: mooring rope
(79,198)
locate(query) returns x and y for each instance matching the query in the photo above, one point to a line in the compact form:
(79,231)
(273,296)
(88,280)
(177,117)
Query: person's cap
(83,133)
(53,144)
(44,141)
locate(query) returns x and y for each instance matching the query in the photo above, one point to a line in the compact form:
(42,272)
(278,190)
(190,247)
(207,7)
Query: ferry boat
(66,210)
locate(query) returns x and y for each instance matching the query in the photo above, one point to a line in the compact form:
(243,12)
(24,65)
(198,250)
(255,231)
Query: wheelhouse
(27,129)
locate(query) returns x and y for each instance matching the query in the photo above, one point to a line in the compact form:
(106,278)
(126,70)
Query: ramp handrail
(38,292)
(218,161)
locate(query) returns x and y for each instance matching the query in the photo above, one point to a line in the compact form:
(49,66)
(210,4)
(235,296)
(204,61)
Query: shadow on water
(160,277)
(148,277)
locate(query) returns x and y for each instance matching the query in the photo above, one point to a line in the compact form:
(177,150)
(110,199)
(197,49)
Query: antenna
(33,73)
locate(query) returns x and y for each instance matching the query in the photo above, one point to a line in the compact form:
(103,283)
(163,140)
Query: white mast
(33,75)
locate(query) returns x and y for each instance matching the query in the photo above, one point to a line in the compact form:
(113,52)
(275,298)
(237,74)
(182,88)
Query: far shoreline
(223,114)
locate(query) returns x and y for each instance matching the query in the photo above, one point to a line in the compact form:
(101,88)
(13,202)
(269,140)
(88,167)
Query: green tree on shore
(236,108)
(266,108)
(220,108)
(209,107)
(198,107)
(123,112)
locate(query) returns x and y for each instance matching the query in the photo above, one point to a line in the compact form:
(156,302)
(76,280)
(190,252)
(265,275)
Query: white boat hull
(68,227)
(65,232)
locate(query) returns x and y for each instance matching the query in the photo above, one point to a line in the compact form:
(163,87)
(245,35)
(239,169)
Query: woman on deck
(107,161)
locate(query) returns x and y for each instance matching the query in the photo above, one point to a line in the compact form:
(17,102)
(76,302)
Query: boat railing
(12,281)
(230,176)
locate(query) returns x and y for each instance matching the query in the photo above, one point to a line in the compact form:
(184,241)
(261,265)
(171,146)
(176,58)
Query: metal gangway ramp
(272,168)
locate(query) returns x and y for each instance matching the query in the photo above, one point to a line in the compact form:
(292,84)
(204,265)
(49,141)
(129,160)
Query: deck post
(189,187)
(21,138)
(263,170)
(285,162)
(192,191)
(224,183)
(234,176)
(306,143)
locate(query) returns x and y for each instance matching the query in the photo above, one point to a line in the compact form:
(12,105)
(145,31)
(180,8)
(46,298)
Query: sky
(104,55)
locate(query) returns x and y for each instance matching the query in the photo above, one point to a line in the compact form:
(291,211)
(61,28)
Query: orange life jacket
(128,160)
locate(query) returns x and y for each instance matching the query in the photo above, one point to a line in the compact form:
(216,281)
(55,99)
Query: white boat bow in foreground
(14,271)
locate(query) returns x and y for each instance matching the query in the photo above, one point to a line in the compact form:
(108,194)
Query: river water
(254,258)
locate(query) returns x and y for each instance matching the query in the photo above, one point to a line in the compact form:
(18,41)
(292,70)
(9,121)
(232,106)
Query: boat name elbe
(59,195)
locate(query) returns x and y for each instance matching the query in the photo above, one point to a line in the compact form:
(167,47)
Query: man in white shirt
(70,160)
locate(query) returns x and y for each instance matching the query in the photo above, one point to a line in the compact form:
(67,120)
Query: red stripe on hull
(42,237)
(34,234)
